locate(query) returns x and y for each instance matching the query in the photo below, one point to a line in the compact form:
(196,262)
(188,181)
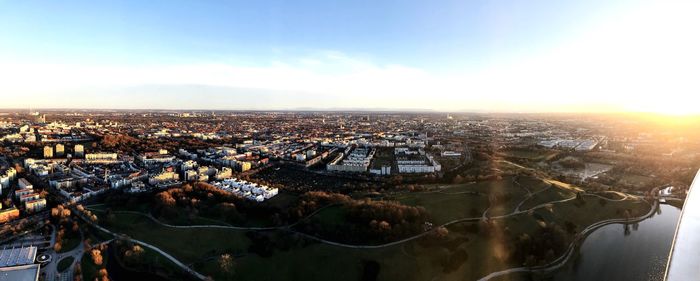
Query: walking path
(561,261)
(289,228)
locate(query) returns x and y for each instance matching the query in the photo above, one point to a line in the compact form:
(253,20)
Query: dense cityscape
(224,195)
(362,140)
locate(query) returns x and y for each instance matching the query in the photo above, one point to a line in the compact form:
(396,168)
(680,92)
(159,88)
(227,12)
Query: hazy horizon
(450,56)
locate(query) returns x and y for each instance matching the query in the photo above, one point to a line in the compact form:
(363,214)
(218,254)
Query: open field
(530,154)
(546,196)
(444,207)
(70,242)
(89,269)
(189,245)
(632,179)
(467,252)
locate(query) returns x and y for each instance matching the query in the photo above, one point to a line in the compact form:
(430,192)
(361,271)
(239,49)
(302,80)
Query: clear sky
(497,55)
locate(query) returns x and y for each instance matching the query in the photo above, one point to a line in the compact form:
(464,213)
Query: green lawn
(533,184)
(550,195)
(89,269)
(530,154)
(64,264)
(632,179)
(153,262)
(464,254)
(331,216)
(70,242)
(471,199)
(189,245)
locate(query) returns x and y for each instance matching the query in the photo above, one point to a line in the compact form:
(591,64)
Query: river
(635,253)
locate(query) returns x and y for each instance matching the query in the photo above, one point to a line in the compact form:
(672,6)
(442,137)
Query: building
(150,159)
(35,205)
(450,154)
(7,177)
(191,175)
(29,272)
(225,173)
(48,152)
(248,190)
(244,166)
(79,151)
(189,165)
(164,177)
(24,184)
(29,197)
(17,256)
(63,182)
(17,264)
(101,157)
(357,160)
(8,214)
(415,161)
(60,150)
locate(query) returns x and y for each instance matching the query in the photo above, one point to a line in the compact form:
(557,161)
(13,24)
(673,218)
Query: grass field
(530,154)
(546,196)
(472,199)
(89,269)
(189,245)
(444,207)
(464,254)
(632,179)
(64,264)
(70,242)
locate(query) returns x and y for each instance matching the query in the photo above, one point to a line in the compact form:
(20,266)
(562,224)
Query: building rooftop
(20,273)
(17,256)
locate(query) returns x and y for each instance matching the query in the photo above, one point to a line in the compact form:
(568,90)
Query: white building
(248,190)
(101,157)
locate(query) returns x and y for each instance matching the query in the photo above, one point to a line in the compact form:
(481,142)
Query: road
(144,244)
(51,268)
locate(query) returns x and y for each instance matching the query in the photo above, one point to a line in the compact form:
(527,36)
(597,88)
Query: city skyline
(537,57)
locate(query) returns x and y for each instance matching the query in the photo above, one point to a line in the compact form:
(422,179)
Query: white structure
(79,150)
(356,161)
(35,205)
(248,190)
(450,154)
(189,165)
(7,177)
(101,157)
(163,177)
(415,161)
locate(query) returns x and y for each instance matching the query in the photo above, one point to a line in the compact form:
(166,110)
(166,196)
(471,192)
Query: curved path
(561,261)
(288,228)
(144,244)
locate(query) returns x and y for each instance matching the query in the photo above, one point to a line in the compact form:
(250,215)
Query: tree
(96,256)
(441,232)
(226,263)
(104,276)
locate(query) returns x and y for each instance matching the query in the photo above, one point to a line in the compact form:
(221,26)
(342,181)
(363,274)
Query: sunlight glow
(644,61)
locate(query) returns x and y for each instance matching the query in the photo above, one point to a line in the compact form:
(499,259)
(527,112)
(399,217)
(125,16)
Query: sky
(482,55)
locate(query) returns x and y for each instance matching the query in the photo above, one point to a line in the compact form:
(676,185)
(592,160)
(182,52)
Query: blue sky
(337,43)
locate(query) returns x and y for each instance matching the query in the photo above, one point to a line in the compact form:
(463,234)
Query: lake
(637,252)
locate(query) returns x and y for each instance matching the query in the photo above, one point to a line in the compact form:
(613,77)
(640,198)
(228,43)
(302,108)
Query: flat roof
(17,256)
(20,273)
